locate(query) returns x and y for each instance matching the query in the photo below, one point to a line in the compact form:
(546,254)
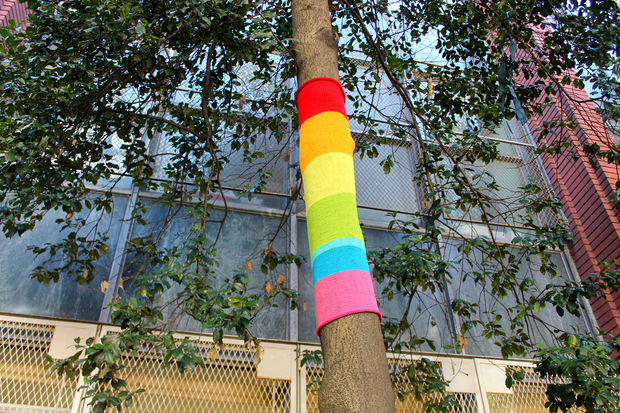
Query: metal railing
(231,380)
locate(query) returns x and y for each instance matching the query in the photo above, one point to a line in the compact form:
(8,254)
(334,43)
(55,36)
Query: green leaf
(125,9)
(262,35)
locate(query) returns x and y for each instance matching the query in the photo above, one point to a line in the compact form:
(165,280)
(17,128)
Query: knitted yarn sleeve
(342,282)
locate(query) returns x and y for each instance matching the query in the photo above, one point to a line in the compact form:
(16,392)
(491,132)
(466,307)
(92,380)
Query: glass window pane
(65,299)
(394,191)
(243,239)
(466,288)
(428,315)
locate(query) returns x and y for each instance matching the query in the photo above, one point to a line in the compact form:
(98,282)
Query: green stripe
(332,218)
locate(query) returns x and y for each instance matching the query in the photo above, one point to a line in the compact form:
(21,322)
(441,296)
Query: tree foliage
(85,76)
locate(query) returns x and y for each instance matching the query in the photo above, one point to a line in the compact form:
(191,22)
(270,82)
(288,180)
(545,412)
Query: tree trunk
(316,48)
(356,376)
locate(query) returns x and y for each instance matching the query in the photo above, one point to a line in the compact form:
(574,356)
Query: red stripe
(317,95)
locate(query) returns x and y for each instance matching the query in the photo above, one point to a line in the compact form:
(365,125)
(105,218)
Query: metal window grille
(25,385)
(516,167)
(273,147)
(314,374)
(242,173)
(374,99)
(393,191)
(375,189)
(116,153)
(467,401)
(613,128)
(240,170)
(228,383)
(527,396)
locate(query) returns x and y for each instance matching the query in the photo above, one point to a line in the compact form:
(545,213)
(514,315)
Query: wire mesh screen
(378,188)
(510,130)
(25,385)
(408,404)
(259,162)
(262,163)
(372,98)
(390,191)
(272,166)
(227,384)
(115,153)
(245,83)
(528,396)
(500,184)
(314,376)
(613,128)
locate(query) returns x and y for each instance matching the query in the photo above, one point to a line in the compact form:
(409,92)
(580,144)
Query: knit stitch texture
(341,277)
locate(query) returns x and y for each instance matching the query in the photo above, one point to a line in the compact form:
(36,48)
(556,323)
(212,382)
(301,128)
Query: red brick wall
(585,190)
(12,9)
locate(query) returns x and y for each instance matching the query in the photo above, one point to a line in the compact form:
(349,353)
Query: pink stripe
(344,293)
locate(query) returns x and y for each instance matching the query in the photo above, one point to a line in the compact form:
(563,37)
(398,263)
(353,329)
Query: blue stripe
(342,258)
(338,243)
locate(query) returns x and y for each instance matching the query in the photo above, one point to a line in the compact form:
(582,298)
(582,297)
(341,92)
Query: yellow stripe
(324,133)
(327,175)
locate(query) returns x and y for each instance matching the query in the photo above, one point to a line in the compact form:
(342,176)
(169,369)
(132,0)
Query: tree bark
(316,46)
(356,376)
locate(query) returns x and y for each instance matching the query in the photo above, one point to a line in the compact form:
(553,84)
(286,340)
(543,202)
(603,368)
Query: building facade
(36,320)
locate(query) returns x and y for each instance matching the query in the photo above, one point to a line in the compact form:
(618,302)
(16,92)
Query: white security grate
(227,384)
(526,396)
(467,401)
(314,375)
(25,385)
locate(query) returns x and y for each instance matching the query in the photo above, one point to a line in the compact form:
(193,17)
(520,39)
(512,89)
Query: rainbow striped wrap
(341,277)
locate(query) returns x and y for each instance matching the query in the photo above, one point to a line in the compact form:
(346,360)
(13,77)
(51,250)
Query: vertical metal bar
(453,319)
(303,408)
(289,176)
(78,398)
(293,271)
(295,395)
(589,316)
(484,406)
(116,269)
(293,278)
(523,121)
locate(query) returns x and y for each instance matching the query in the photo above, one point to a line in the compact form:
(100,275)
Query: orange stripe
(324,133)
